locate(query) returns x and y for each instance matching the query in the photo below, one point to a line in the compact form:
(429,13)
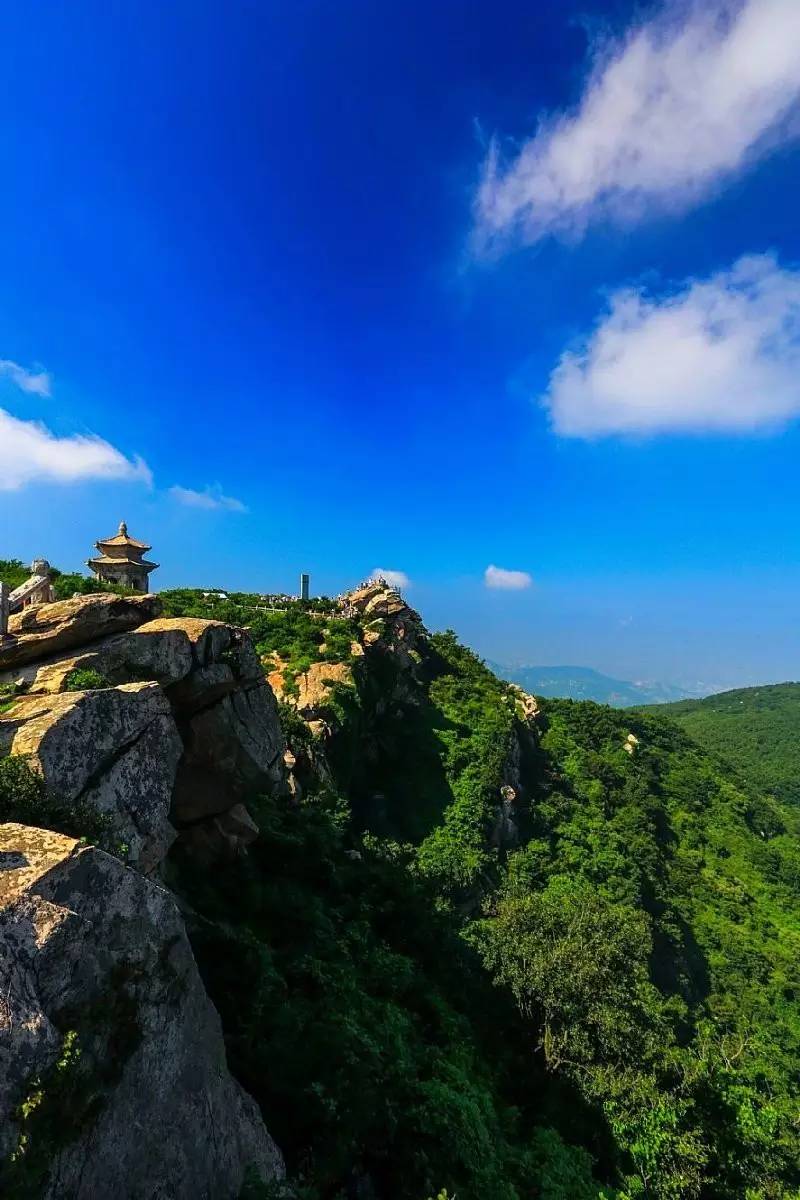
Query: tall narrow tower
(305,580)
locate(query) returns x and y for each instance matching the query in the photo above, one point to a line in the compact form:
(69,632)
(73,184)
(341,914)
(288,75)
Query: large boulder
(167,650)
(113,1078)
(232,749)
(47,629)
(115,750)
(117,747)
(162,655)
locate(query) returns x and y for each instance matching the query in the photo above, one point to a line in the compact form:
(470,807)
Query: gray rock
(94,958)
(232,749)
(163,655)
(116,750)
(222,837)
(46,629)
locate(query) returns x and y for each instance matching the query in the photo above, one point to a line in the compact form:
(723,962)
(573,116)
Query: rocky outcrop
(232,748)
(389,625)
(523,743)
(113,1080)
(383,673)
(115,751)
(187,745)
(314,687)
(155,651)
(47,629)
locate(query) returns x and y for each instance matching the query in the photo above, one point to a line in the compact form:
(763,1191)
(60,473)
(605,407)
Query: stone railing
(4,610)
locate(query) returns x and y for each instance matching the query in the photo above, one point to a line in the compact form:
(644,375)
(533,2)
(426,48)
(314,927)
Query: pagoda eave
(108,561)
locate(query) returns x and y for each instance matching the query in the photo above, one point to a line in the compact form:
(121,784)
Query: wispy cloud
(36,382)
(510,581)
(31,453)
(719,354)
(212,497)
(666,113)
(397,579)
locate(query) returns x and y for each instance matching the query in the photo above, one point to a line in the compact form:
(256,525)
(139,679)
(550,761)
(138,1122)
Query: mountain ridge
(586,683)
(460,940)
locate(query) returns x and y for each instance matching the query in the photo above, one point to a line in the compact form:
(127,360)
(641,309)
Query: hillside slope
(458,939)
(517,949)
(756,729)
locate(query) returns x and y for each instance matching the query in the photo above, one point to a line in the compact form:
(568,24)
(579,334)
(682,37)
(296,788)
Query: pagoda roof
(107,560)
(121,539)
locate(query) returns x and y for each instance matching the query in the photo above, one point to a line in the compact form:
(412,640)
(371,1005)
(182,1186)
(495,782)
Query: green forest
(609,1007)
(755,729)
(600,1003)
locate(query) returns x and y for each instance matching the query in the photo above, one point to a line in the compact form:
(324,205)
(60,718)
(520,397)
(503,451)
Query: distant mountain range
(583,683)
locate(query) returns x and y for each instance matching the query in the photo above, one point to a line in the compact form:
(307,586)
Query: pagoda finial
(123,529)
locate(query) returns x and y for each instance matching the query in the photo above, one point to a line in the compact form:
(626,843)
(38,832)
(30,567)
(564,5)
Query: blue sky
(332,286)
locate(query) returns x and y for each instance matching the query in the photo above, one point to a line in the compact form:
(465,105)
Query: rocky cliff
(114,1080)
(366,712)
(151,739)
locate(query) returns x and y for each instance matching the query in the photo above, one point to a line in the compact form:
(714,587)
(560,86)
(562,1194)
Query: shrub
(85,679)
(25,799)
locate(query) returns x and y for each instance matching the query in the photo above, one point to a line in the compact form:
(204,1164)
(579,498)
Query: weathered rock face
(95,961)
(524,742)
(186,746)
(389,624)
(95,967)
(116,750)
(47,629)
(315,687)
(167,651)
(163,655)
(384,668)
(232,748)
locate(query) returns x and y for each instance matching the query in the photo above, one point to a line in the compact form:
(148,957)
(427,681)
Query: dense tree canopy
(756,729)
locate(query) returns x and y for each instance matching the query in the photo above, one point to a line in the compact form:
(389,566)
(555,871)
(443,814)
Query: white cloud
(30,453)
(211,497)
(510,581)
(666,113)
(397,579)
(35,382)
(719,354)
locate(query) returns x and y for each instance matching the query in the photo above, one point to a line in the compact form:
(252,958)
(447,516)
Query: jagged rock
(390,627)
(224,836)
(523,742)
(231,749)
(166,650)
(208,639)
(204,686)
(116,750)
(315,687)
(47,629)
(527,706)
(163,655)
(94,958)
